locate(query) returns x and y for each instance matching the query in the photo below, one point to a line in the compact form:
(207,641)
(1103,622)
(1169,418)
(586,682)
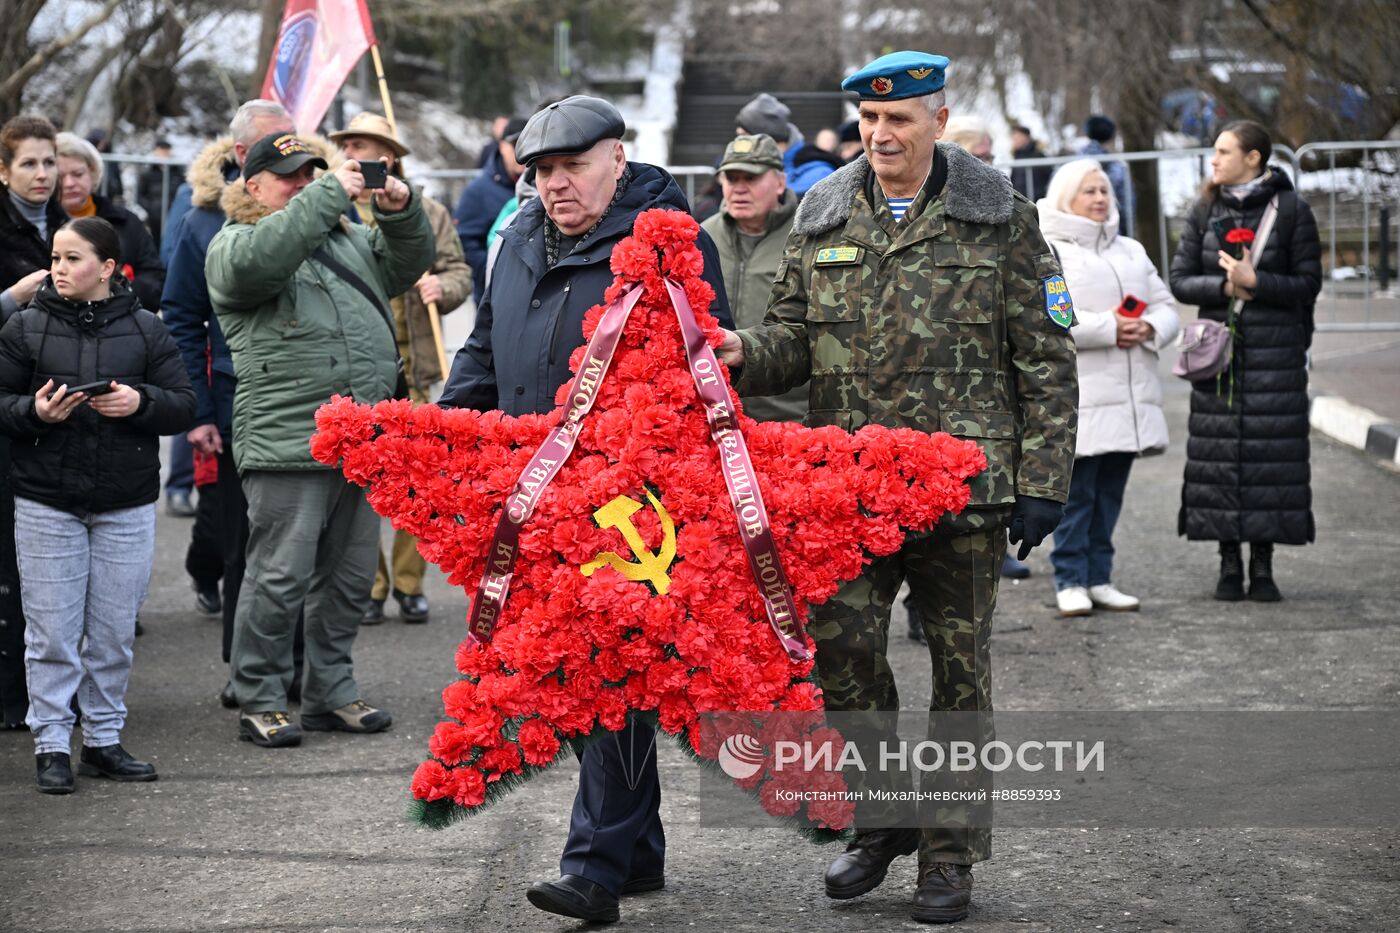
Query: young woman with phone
(1124,316)
(86,475)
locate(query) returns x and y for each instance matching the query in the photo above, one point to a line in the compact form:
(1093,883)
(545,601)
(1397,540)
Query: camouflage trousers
(953,573)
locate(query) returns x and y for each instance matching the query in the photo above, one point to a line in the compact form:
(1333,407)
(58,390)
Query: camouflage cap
(753,154)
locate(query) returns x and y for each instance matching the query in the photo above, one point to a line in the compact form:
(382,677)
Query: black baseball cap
(281,154)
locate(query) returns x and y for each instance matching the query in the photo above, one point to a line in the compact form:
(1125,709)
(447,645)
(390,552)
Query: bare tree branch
(13,84)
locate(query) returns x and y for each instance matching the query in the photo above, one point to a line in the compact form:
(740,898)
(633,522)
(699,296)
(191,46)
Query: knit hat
(767,115)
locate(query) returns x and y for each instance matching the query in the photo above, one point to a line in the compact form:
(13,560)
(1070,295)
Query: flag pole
(434,319)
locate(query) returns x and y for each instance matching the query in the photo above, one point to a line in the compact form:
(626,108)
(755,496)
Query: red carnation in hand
(650,609)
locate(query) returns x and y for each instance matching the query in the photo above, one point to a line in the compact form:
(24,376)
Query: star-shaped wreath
(634,579)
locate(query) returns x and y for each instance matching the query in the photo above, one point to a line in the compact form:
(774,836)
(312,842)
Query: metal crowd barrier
(1352,186)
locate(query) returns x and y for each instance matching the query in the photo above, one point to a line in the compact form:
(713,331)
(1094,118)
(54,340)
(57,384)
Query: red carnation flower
(1240,236)
(538,742)
(431,781)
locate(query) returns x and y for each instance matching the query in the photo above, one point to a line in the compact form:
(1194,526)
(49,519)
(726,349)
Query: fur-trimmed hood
(975,192)
(208,173)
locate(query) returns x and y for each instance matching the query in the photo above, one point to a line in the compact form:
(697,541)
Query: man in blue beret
(916,291)
(552,267)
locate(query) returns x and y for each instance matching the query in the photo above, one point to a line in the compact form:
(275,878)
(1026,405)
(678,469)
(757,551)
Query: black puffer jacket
(90,463)
(1247,470)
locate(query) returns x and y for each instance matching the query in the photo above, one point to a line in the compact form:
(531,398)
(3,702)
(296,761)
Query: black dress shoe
(374,615)
(863,865)
(207,600)
(574,896)
(55,774)
(112,761)
(227,698)
(945,891)
(643,885)
(412,609)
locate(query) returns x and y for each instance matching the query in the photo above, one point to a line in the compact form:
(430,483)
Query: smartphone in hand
(90,389)
(375,173)
(1132,307)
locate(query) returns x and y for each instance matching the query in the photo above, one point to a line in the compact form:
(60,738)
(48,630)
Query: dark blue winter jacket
(531,318)
(477,210)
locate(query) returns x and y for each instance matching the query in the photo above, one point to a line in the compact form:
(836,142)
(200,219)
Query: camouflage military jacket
(938,322)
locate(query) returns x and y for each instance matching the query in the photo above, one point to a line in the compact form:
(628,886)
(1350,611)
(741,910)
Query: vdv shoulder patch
(838,255)
(1057,302)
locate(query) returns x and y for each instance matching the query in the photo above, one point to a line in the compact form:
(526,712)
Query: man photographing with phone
(371,140)
(303,301)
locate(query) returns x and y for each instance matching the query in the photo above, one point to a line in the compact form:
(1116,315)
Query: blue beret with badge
(899,75)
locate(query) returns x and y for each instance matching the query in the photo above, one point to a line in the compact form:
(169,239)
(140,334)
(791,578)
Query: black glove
(1032,520)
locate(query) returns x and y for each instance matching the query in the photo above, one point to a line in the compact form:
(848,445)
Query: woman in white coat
(1125,316)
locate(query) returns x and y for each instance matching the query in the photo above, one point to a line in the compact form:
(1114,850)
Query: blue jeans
(83,579)
(1083,554)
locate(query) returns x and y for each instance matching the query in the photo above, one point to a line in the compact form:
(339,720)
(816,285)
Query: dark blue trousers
(1083,554)
(615,833)
(181,464)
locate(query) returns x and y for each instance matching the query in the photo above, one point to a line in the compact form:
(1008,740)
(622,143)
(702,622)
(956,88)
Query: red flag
(318,45)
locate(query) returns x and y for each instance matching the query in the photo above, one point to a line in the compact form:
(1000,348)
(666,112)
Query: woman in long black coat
(1247,469)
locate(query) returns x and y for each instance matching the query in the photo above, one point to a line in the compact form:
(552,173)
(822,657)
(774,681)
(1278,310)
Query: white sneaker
(1074,601)
(1106,596)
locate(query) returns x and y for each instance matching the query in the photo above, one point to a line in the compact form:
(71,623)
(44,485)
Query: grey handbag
(1205,349)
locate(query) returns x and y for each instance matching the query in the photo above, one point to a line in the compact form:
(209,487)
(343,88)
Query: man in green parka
(303,300)
(750,232)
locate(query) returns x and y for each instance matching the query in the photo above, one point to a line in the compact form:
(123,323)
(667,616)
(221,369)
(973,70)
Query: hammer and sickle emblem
(648,566)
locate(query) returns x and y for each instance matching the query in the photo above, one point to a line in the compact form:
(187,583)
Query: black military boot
(1230,587)
(1262,588)
(113,761)
(944,893)
(55,773)
(863,865)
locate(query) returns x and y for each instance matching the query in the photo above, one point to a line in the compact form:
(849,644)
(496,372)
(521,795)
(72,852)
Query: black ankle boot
(1230,587)
(1262,588)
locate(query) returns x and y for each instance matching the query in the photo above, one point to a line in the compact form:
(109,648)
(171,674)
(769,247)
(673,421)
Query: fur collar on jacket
(207,172)
(975,192)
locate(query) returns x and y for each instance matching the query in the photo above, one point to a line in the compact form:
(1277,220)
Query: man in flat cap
(751,230)
(552,267)
(916,291)
(369,137)
(302,298)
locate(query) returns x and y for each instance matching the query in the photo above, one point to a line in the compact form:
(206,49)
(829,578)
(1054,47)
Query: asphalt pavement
(234,837)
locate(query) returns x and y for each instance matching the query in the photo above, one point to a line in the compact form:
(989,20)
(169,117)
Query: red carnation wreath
(573,653)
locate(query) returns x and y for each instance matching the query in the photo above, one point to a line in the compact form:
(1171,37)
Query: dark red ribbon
(742,482)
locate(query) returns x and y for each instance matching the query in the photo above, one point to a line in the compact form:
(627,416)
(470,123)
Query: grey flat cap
(571,125)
